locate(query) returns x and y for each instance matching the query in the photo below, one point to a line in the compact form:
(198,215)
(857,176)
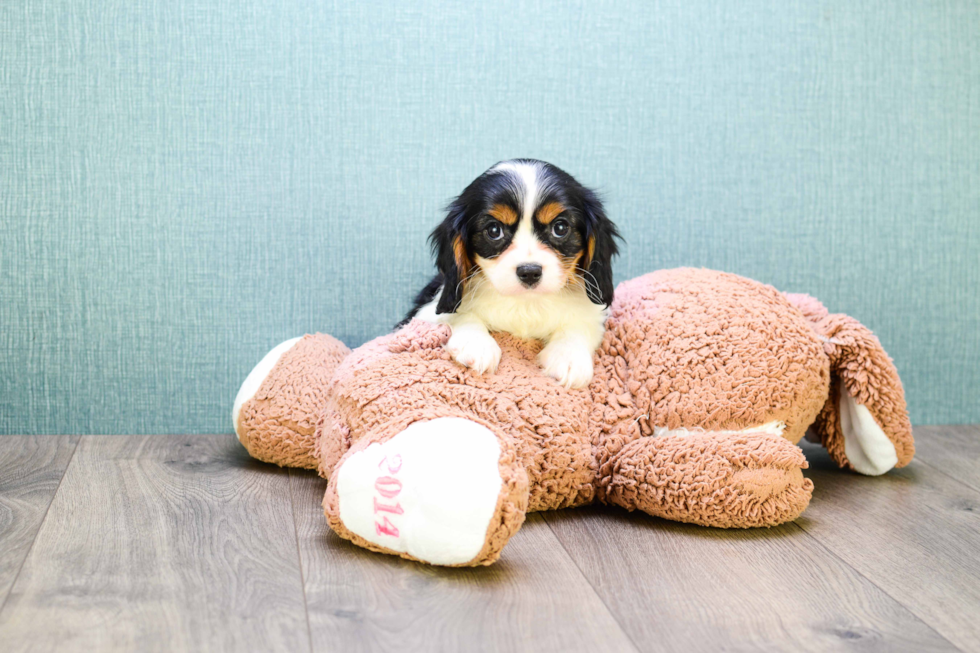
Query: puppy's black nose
(529,274)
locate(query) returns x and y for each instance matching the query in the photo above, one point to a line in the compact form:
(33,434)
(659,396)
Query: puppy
(524,249)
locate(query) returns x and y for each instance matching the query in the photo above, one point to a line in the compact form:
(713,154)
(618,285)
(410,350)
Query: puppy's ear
(452,261)
(600,247)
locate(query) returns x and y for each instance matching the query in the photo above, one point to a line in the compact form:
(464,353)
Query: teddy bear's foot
(731,479)
(444,491)
(278,405)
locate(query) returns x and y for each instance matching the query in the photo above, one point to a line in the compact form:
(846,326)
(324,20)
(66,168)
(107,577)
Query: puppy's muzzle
(529,274)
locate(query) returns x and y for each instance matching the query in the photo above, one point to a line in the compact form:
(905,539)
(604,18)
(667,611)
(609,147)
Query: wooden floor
(144,543)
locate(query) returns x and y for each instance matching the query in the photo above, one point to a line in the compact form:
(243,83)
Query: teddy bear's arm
(725,479)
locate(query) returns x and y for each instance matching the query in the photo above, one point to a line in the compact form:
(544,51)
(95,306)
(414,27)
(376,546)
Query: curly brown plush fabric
(703,384)
(277,425)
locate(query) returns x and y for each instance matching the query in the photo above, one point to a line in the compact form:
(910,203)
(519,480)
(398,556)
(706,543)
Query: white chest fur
(528,315)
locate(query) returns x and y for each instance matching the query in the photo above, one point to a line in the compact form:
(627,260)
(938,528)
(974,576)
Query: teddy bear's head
(694,348)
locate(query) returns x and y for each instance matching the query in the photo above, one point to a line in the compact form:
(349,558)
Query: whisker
(467,278)
(594,286)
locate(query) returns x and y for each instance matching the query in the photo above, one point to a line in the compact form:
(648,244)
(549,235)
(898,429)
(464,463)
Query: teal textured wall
(186,183)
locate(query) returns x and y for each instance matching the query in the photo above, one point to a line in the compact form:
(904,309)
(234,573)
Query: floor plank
(170,543)
(162,543)
(678,587)
(954,450)
(914,532)
(533,599)
(31,468)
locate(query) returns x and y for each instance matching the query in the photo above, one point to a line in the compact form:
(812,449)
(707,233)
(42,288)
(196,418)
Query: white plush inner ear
(429,491)
(255,378)
(867,447)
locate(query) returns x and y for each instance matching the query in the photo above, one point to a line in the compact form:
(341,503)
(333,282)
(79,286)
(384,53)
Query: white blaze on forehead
(525,242)
(528,188)
(527,180)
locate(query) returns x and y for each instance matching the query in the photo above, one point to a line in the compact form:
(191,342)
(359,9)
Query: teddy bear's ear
(864,424)
(600,243)
(452,261)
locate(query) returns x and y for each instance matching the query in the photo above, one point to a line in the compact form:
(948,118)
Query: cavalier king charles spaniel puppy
(524,249)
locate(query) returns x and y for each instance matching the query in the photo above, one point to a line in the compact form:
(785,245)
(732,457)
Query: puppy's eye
(560,228)
(494,231)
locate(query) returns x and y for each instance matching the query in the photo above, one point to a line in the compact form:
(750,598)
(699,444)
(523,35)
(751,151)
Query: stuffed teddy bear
(704,383)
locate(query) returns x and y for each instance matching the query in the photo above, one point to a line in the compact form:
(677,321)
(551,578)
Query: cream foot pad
(429,491)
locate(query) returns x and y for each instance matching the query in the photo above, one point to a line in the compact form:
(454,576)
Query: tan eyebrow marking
(550,211)
(503,213)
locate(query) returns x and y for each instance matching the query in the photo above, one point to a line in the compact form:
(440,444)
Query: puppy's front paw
(474,349)
(568,362)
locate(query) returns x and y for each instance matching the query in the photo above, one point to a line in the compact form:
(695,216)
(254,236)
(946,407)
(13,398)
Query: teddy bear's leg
(726,479)
(864,424)
(277,408)
(447,491)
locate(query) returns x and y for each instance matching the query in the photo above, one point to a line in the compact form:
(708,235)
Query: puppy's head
(527,227)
